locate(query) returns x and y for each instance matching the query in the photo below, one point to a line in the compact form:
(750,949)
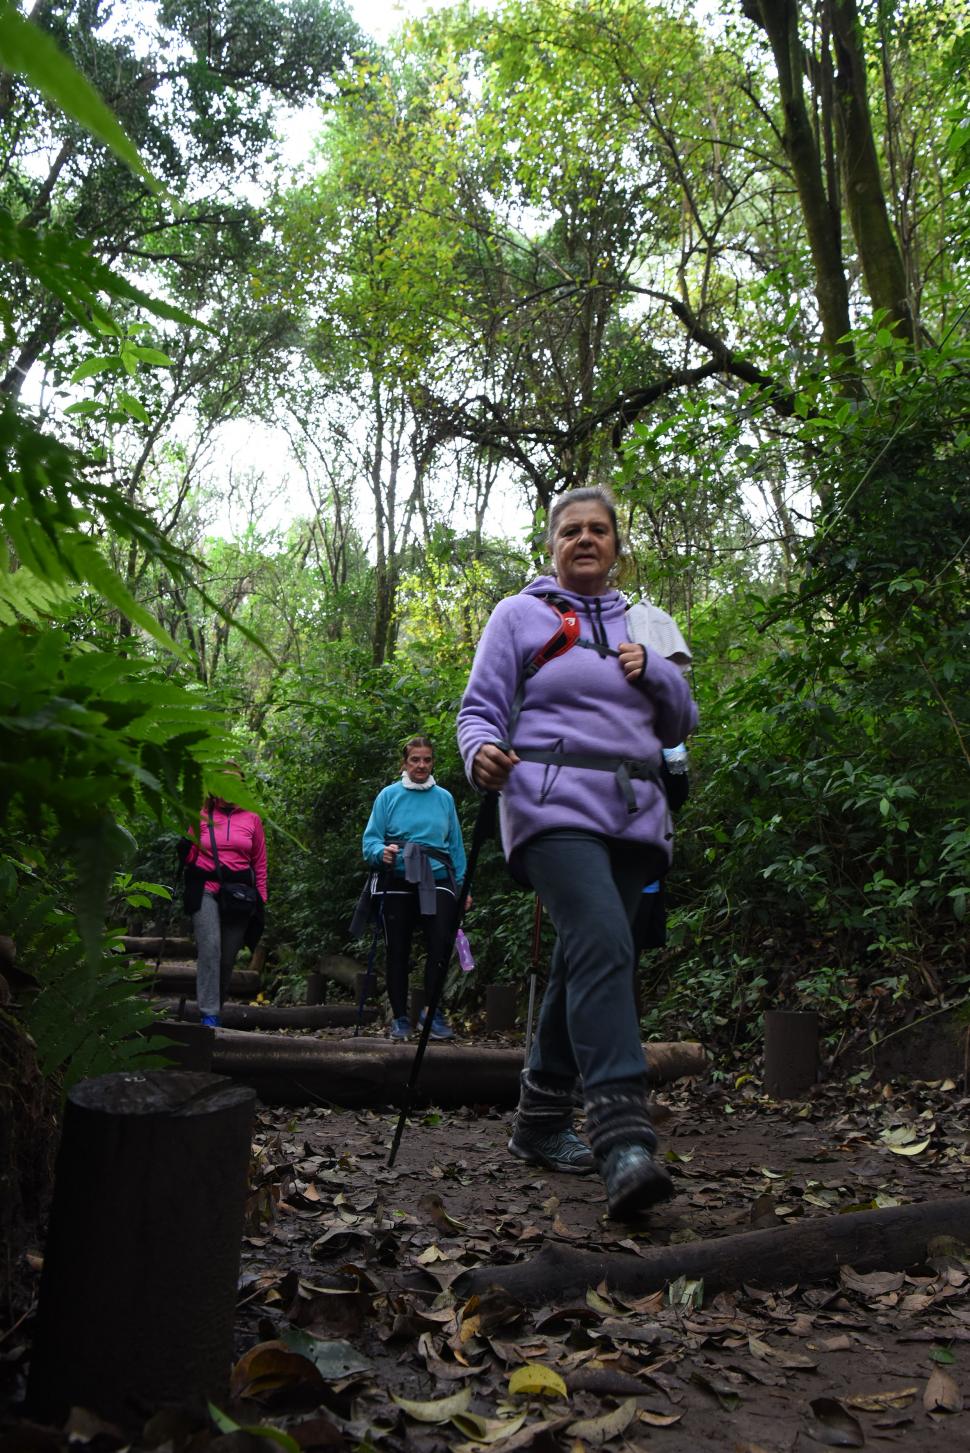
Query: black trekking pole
(484,827)
(368,982)
(533,976)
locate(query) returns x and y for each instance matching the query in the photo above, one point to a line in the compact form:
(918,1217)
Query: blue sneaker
(401,1028)
(440,1028)
(211,1021)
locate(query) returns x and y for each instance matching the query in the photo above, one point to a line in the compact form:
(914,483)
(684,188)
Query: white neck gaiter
(416,786)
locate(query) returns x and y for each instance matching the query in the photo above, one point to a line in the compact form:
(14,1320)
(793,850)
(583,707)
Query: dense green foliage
(564,242)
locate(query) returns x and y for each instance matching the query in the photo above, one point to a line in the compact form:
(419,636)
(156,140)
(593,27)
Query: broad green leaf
(133,406)
(91,366)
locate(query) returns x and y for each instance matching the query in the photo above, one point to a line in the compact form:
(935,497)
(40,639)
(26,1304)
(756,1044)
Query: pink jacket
(240,840)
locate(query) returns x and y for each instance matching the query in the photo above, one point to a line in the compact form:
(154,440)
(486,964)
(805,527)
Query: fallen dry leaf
(878,1402)
(607,1425)
(873,1283)
(941,1394)
(439,1410)
(834,1425)
(536,1379)
(268,1366)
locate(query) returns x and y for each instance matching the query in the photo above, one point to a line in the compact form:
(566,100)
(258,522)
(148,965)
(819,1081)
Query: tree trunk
(865,198)
(779,20)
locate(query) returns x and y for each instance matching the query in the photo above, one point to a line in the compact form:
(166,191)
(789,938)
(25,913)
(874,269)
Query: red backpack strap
(565,636)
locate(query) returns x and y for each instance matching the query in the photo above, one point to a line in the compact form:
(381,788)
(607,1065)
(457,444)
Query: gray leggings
(218,941)
(591,890)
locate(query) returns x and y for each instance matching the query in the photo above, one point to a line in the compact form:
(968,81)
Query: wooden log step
(180,979)
(275,1016)
(150,948)
(807,1252)
(373,1071)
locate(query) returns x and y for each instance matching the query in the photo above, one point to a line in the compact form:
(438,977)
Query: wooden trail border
(369,1072)
(808,1252)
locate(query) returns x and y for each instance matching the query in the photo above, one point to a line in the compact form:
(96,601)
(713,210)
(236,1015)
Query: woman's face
(584,547)
(419,763)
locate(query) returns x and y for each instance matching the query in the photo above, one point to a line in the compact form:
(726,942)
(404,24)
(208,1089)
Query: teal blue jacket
(400,815)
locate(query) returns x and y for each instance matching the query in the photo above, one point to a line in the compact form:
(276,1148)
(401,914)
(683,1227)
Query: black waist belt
(624,769)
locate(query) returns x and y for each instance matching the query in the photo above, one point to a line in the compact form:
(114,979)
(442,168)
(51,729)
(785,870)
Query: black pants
(588,1025)
(402,914)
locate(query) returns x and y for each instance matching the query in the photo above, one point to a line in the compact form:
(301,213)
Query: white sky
(246,445)
(380,20)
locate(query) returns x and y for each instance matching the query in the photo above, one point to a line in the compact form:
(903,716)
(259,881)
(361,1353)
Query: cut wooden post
(791,1052)
(500,1007)
(138,1293)
(316,987)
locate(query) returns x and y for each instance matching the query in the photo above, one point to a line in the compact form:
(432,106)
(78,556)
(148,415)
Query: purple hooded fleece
(577,702)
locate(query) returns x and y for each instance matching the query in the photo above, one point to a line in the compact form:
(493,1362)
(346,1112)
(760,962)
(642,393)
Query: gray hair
(590,493)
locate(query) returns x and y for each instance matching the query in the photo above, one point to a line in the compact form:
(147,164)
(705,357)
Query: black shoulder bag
(235,899)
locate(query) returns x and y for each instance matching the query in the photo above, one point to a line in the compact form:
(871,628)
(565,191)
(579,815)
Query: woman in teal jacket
(413,838)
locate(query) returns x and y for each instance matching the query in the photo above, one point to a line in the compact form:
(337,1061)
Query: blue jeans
(591,890)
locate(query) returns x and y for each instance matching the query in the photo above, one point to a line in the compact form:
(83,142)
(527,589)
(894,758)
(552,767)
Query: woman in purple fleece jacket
(572,740)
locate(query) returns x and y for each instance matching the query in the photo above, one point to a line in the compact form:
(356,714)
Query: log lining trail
(369,1071)
(812,1251)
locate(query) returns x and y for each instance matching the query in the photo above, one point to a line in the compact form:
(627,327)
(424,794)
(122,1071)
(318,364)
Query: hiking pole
(367,984)
(484,828)
(536,946)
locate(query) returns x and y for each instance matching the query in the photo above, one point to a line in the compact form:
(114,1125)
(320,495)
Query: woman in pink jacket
(225,893)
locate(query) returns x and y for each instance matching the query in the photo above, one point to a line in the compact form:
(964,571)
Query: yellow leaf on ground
(440,1410)
(916,1148)
(607,1425)
(878,1402)
(535,1378)
(487,1430)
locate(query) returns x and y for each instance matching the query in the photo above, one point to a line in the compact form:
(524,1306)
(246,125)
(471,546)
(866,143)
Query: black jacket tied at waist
(194,887)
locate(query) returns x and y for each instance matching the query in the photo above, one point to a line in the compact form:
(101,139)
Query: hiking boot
(401,1028)
(560,1150)
(211,1021)
(440,1028)
(634,1181)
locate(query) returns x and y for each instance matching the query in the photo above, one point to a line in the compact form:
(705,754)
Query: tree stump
(138,1293)
(500,1007)
(791,1053)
